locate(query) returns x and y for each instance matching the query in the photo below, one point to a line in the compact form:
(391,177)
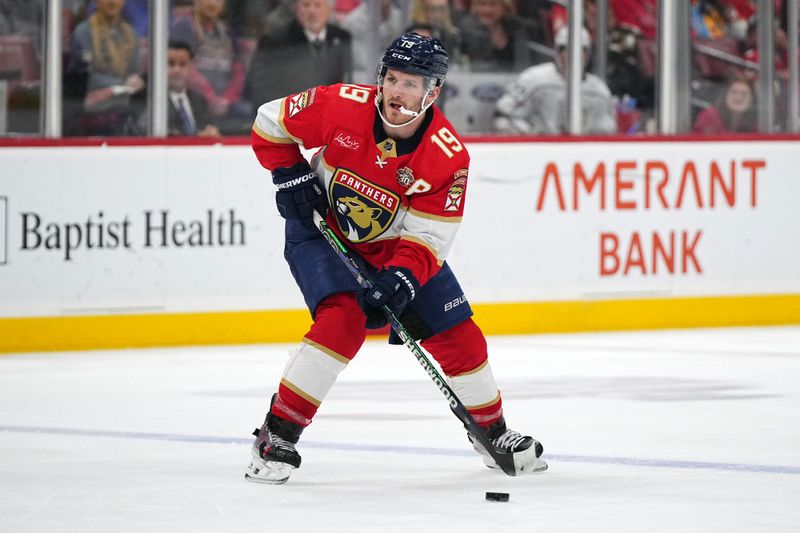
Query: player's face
(178,61)
(401,89)
(313,14)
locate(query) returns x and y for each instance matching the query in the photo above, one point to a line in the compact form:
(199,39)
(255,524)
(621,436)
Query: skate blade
(268,472)
(524,463)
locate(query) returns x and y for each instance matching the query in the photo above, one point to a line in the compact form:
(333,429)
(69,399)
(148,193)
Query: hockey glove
(394,287)
(299,192)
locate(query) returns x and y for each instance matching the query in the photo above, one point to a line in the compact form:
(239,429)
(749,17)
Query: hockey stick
(504,460)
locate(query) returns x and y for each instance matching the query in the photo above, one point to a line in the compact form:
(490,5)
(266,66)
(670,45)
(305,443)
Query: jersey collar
(400,147)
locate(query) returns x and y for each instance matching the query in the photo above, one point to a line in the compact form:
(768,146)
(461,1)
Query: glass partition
(508,63)
(21,49)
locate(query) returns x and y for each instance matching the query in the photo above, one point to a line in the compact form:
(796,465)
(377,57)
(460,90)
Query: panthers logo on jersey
(363,210)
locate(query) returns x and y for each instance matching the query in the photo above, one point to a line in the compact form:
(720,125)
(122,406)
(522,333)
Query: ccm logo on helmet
(401,56)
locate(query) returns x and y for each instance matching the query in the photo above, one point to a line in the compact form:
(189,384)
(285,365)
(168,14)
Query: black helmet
(415,54)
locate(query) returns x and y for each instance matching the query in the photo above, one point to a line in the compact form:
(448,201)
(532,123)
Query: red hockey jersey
(395,203)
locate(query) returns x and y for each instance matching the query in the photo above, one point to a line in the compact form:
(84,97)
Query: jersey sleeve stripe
(424,244)
(282,117)
(433,234)
(267,137)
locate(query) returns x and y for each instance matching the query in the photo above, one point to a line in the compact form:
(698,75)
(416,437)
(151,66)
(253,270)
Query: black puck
(496,496)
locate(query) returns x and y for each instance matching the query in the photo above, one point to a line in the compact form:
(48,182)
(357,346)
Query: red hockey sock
(333,340)
(462,354)
(339,325)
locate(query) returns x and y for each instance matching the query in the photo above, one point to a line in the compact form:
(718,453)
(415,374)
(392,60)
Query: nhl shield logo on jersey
(456,191)
(363,210)
(300,101)
(405,177)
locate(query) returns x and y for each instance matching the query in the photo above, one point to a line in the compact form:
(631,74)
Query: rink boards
(140,245)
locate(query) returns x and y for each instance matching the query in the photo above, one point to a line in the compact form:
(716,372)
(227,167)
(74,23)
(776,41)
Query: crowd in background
(226,57)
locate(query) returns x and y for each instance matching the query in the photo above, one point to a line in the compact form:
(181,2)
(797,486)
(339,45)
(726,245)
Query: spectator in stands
(535,9)
(738,13)
(256,18)
(734,112)
(307,53)
(359,24)
(22,18)
(342,8)
(495,39)
(217,73)
(436,14)
(188,110)
(640,16)
(536,103)
(631,55)
(103,71)
(708,19)
(135,13)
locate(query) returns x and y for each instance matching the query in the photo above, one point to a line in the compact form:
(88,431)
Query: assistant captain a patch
(363,210)
(300,101)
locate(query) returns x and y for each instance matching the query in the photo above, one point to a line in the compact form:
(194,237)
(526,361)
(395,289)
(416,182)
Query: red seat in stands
(711,67)
(17,53)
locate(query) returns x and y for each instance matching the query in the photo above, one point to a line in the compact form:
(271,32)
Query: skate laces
(510,440)
(283,444)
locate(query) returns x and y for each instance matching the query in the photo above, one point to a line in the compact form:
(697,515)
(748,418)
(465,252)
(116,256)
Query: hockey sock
(462,354)
(333,340)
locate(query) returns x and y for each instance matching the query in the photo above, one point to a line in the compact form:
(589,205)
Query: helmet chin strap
(409,113)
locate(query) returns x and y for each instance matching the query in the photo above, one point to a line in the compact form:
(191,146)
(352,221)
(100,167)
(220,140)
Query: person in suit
(217,73)
(495,39)
(307,53)
(188,112)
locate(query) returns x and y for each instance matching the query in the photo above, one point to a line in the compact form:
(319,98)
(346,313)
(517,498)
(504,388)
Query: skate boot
(274,454)
(526,450)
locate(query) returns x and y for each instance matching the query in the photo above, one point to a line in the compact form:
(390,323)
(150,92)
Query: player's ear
(434,94)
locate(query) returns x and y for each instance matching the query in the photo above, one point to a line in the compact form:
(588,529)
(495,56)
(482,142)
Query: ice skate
(526,450)
(274,454)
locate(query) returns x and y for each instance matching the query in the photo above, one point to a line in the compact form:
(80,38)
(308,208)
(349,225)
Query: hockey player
(536,102)
(394,173)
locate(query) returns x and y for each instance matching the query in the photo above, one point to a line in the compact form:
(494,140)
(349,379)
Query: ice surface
(671,431)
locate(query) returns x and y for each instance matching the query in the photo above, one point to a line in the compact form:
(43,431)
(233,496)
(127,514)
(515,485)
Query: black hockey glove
(392,286)
(299,192)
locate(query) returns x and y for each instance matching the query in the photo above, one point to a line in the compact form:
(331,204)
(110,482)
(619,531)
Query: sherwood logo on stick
(429,368)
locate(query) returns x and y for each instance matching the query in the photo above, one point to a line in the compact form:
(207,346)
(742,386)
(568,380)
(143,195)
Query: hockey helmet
(562,38)
(416,54)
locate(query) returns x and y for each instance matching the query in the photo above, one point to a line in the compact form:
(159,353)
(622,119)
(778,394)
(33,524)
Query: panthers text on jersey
(396,202)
